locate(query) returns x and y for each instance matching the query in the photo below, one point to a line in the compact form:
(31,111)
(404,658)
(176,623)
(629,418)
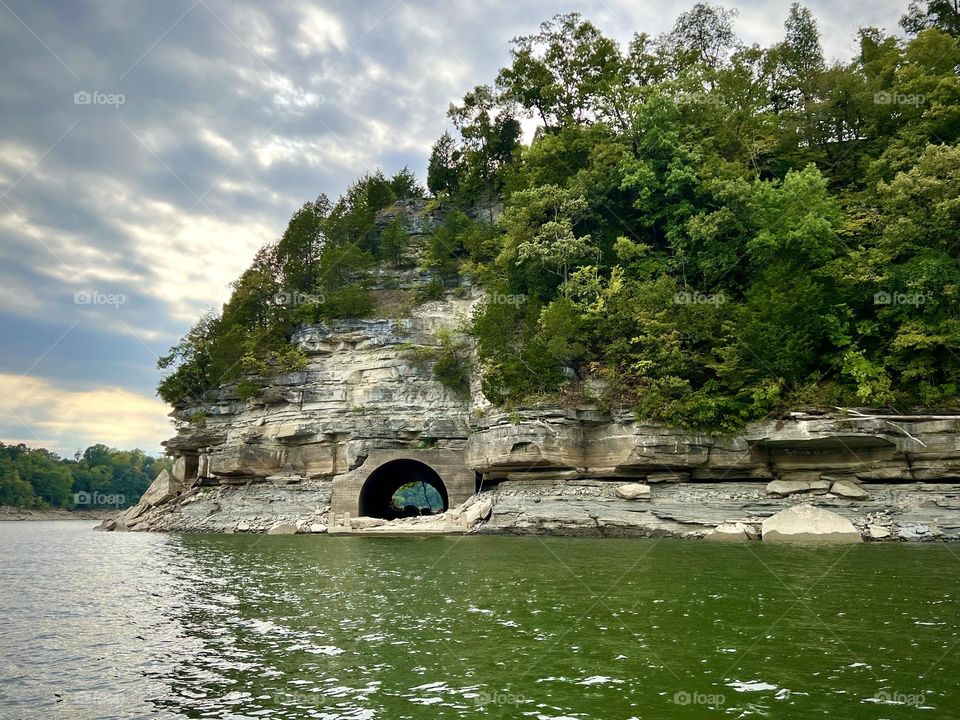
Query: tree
(14,491)
(394,241)
(559,73)
(490,135)
(540,226)
(443,171)
(701,37)
(298,250)
(404,185)
(800,58)
(923,14)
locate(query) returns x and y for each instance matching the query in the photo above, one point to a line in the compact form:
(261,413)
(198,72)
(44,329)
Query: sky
(148,149)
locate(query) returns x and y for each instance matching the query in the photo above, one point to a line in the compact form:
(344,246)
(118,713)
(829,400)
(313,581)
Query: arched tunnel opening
(403,488)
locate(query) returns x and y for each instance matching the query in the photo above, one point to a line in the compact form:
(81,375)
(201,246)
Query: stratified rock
(732,532)
(808,524)
(848,489)
(634,491)
(282,528)
(668,477)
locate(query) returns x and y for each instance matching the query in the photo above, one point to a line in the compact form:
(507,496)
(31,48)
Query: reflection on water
(136,625)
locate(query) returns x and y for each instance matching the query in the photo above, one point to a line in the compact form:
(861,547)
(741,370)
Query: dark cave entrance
(403,488)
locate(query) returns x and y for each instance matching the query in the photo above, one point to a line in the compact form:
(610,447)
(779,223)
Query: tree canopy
(98,476)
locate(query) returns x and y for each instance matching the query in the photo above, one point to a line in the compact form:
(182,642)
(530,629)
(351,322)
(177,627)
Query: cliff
(322,450)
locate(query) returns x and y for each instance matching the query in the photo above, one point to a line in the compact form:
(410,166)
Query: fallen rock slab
(732,532)
(633,491)
(808,524)
(848,489)
(283,528)
(783,488)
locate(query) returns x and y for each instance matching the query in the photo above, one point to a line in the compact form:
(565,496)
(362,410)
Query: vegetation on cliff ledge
(717,231)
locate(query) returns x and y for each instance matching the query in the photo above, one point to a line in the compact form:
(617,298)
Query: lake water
(104,625)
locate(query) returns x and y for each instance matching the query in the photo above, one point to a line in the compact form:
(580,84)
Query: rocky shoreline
(17,514)
(726,510)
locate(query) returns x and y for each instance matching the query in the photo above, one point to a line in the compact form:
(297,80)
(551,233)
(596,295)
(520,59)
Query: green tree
(443,170)
(394,242)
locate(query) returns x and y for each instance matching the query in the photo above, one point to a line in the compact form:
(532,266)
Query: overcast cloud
(120,223)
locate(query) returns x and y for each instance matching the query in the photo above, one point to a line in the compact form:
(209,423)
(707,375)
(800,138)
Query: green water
(137,625)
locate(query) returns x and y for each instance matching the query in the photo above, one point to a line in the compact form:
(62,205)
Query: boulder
(477,511)
(879,532)
(848,489)
(163,489)
(243,526)
(633,491)
(732,532)
(282,528)
(318,528)
(808,524)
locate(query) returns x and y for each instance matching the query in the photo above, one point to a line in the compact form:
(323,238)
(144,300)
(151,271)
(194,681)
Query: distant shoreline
(13,513)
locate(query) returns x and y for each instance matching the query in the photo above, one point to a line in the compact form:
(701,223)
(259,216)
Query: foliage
(453,365)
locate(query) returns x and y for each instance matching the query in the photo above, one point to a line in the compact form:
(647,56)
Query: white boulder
(808,524)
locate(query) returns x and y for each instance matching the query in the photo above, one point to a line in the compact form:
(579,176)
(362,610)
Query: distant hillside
(99,477)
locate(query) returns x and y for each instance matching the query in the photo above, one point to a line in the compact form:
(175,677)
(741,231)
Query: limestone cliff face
(363,389)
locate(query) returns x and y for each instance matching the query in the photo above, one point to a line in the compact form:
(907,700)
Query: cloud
(41,414)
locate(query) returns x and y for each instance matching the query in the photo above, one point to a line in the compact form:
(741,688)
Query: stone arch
(377,491)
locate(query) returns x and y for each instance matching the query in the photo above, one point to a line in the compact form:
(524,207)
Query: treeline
(99,476)
(715,231)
